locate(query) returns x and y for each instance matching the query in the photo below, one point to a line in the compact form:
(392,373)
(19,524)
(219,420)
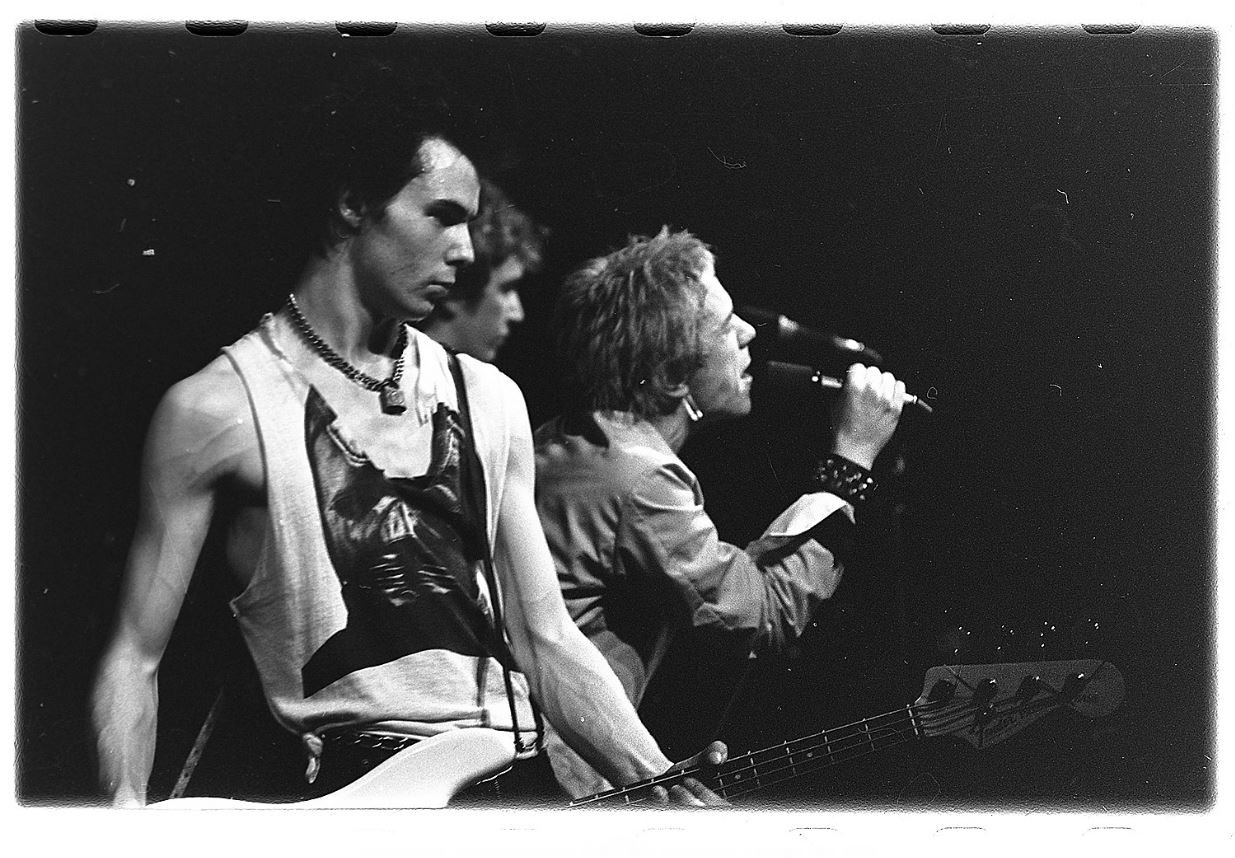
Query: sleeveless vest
(368,606)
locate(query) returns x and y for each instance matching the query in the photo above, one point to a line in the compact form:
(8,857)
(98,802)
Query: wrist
(127,798)
(859,454)
(123,792)
(845,478)
(642,769)
(657,765)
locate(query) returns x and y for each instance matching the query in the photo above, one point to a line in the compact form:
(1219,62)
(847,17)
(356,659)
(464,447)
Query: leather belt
(361,740)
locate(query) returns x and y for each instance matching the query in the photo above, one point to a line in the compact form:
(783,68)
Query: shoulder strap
(476,488)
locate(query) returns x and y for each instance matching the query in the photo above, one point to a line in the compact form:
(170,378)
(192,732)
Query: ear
(349,210)
(680,390)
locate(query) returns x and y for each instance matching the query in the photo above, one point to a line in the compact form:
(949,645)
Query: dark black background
(1022,222)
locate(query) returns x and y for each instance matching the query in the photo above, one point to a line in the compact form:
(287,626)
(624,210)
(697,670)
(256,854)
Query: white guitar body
(428,774)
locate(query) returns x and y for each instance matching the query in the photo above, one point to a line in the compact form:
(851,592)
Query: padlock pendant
(393,401)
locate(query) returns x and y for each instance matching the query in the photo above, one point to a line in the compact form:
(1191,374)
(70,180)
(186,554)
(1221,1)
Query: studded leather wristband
(845,479)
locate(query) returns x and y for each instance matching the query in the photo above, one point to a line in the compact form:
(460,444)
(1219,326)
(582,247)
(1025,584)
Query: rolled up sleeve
(765,593)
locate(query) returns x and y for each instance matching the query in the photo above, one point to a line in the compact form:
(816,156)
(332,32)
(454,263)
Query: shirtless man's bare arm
(200,438)
(569,677)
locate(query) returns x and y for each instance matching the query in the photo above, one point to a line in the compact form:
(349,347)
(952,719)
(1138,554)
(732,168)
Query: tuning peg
(983,694)
(942,691)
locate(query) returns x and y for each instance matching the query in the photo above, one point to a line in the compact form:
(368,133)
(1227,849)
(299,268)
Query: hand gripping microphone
(804,343)
(796,377)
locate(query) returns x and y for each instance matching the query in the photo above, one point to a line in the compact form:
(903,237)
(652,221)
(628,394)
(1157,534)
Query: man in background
(477,316)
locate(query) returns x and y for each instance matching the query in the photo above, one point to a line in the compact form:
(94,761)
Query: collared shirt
(637,556)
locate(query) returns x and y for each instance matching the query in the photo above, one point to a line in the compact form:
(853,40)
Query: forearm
(761,597)
(585,703)
(125,712)
(794,578)
(570,680)
(767,598)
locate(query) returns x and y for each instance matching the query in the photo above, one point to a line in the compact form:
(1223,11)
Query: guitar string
(801,762)
(835,732)
(806,761)
(932,718)
(747,758)
(935,718)
(932,721)
(817,764)
(771,775)
(944,721)
(836,753)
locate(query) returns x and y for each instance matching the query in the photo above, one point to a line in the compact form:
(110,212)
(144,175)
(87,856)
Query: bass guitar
(982,704)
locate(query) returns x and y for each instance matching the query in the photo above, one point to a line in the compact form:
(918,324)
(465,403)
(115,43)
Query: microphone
(806,342)
(795,377)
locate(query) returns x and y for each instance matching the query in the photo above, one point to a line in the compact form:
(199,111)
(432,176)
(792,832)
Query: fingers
(691,792)
(875,378)
(885,389)
(688,793)
(713,755)
(685,795)
(893,392)
(856,375)
(862,378)
(865,416)
(698,794)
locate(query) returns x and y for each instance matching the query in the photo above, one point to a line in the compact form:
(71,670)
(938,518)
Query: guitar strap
(199,746)
(476,488)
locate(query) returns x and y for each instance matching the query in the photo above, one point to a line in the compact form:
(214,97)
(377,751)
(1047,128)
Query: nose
(514,307)
(460,252)
(746,331)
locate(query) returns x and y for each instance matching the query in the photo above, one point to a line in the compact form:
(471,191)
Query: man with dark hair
(656,350)
(476,317)
(393,584)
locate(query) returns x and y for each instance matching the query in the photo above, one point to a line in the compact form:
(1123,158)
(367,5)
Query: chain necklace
(392,399)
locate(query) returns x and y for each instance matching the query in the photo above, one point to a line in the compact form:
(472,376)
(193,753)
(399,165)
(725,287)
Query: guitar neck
(797,757)
(981,704)
(788,760)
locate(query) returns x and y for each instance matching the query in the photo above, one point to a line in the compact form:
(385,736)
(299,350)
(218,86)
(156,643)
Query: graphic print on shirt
(403,549)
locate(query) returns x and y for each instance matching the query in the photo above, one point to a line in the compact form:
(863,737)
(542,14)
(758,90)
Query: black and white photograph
(801,419)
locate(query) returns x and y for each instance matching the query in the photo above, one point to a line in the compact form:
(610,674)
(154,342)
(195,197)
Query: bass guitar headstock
(986,703)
